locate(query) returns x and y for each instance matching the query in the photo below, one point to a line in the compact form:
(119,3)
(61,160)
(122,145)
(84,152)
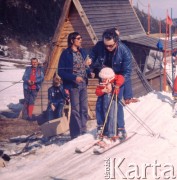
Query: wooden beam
(86,21)
(138,19)
(56,50)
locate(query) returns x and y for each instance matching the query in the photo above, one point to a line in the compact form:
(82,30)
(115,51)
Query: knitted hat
(106,73)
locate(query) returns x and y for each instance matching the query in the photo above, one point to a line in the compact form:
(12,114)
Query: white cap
(106,73)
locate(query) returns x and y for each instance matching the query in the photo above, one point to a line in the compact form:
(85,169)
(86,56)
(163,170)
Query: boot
(121,133)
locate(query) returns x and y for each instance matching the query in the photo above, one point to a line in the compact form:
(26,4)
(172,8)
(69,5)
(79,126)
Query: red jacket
(116,82)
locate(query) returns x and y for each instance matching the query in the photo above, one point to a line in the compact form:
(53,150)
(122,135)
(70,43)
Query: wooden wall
(72,23)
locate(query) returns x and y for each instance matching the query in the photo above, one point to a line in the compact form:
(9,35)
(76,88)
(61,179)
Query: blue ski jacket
(39,77)
(65,67)
(122,59)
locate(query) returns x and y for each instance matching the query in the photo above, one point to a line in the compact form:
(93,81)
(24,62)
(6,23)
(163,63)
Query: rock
(15,107)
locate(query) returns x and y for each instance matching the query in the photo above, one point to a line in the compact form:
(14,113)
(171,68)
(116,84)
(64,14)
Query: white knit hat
(106,73)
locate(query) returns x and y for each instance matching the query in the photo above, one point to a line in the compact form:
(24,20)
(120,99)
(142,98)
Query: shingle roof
(103,14)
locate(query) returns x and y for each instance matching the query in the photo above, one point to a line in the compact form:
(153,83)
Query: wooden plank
(104,3)
(85,21)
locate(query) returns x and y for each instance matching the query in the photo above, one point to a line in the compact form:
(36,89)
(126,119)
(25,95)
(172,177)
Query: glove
(99,90)
(119,80)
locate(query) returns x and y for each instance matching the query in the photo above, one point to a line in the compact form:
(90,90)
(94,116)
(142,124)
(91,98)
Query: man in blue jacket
(72,69)
(110,52)
(32,78)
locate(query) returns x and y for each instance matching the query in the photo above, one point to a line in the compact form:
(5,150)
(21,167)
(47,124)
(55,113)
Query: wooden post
(165,55)
(149,19)
(160,27)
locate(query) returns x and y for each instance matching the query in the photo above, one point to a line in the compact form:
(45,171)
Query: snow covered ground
(150,154)
(11,87)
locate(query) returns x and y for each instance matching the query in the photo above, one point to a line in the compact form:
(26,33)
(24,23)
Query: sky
(158,7)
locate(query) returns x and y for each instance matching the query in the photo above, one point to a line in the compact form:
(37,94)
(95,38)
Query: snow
(155,144)
(11,87)
(151,153)
(11,84)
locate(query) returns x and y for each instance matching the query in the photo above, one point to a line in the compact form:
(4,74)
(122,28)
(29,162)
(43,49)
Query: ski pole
(107,113)
(143,124)
(115,122)
(10,85)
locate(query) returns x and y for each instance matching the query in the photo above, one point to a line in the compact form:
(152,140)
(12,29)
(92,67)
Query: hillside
(29,20)
(144,156)
(154,23)
(30,23)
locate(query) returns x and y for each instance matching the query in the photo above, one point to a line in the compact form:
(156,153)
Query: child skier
(106,105)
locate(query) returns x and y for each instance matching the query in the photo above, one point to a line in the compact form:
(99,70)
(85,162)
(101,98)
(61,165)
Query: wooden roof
(151,42)
(103,14)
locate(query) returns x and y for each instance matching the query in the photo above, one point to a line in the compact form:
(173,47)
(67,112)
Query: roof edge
(85,21)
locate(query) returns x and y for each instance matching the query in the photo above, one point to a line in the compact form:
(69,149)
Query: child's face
(104,80)
(57,82)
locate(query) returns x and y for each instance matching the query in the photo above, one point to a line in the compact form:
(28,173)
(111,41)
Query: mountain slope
(61,162)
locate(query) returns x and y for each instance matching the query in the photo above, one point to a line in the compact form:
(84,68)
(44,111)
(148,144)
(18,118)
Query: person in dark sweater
(57,96)
(73,69)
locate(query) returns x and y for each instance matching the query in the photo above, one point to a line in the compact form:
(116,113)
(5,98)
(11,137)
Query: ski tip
(77,150)
(96,152)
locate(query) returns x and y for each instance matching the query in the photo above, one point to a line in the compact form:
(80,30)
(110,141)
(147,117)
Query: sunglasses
(78,38)
(110,46)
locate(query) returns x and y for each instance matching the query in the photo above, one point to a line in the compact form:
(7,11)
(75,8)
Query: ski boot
(131,100)
(121,133)
(105,141)
(99,134)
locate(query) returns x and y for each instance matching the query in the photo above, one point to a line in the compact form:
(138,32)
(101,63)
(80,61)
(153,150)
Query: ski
(99,149)
(88,146)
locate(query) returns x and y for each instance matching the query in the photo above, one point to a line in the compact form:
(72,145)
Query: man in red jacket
(32,78)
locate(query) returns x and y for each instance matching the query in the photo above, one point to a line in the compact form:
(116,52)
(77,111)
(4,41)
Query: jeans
(128,94)
(120,112)
(30,96)
(115,118)
(57,113)
(79,110)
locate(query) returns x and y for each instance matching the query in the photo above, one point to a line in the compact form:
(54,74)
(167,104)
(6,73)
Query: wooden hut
(90,19)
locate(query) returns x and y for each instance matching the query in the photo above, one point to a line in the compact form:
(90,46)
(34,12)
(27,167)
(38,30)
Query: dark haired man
(72,69)
(32,78)
(111,52)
